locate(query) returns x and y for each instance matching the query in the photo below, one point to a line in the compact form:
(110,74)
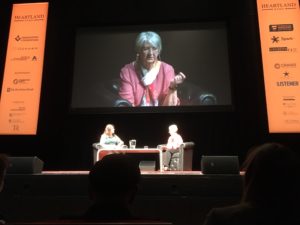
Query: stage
(182,197)
(143,172)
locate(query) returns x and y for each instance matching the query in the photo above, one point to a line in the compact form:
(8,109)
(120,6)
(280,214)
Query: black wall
(64,139)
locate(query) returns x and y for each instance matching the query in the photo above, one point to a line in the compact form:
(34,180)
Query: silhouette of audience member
(3,167)
(271,190)
(113,183)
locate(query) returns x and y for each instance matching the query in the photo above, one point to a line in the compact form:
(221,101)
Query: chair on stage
(183,159)
(96,147)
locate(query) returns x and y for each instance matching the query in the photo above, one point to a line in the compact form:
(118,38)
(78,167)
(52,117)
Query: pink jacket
(132,88)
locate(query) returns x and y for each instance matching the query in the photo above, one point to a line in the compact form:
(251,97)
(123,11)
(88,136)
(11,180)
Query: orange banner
(20,97)
(279,26)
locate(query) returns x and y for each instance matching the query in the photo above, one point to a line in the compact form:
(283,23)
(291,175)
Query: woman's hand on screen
(179,78)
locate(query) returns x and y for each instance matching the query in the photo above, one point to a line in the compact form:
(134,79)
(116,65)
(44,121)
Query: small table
(103,152)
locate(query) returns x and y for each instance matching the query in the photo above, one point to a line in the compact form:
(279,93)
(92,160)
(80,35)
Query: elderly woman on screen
(109,139)
(147,81)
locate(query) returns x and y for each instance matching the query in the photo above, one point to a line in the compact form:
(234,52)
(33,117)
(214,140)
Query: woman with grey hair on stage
(148,81)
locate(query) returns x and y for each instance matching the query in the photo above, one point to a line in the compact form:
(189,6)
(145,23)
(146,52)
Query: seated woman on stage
(174,142)
(109,139)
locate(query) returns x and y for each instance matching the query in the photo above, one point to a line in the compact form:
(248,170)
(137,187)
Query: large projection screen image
(200,51)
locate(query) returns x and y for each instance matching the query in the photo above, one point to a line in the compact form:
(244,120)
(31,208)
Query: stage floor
(194,173)
(142,172)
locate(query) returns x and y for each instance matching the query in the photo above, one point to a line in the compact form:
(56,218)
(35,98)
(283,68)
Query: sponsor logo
(20,108)
(289,101)
(282,49)
(281,27)
(289,98)
(25,48)
(290,113)
(287,83)
(18,89)
(15,121)
(276,39)
(279,6)
(26,38)
(284,65)
(16,114)
(21,81)
(286,38)
(21,58)
(18,38)
(21,73)
(289,104)
(278,49)
(292,121)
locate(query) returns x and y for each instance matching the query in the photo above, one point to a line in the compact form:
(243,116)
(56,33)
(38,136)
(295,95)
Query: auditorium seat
(96,147)
(183,159)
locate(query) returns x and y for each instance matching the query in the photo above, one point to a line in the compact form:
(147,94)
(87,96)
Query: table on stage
(103,152)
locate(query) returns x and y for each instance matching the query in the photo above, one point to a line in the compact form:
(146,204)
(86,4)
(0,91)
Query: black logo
(18,38)
(275,39)
(281,27)
(278,49)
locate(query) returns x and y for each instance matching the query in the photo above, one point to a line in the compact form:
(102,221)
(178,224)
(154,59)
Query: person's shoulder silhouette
(271,189)
(3,168)
(113,183)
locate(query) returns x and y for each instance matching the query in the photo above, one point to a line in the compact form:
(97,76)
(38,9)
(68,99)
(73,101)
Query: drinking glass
(132,144)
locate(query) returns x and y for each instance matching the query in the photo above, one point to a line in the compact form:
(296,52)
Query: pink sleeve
(126,89)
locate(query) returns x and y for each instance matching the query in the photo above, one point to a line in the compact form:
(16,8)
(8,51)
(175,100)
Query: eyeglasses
(150,50)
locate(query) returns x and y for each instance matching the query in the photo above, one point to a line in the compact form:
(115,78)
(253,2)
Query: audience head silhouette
(113,183)
(271,189)
(115,174)
(3,167)
(271,172)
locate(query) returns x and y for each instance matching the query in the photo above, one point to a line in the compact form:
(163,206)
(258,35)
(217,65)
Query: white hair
(173,128)
(150,37)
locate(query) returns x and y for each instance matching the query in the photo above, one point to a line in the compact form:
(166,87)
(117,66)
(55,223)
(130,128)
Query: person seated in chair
(148,81)
(172,147)
(109,139)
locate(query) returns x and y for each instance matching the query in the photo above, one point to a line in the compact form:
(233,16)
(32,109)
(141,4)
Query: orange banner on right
(279,26)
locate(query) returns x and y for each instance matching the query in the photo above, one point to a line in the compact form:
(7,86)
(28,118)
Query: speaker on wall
(25,165)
